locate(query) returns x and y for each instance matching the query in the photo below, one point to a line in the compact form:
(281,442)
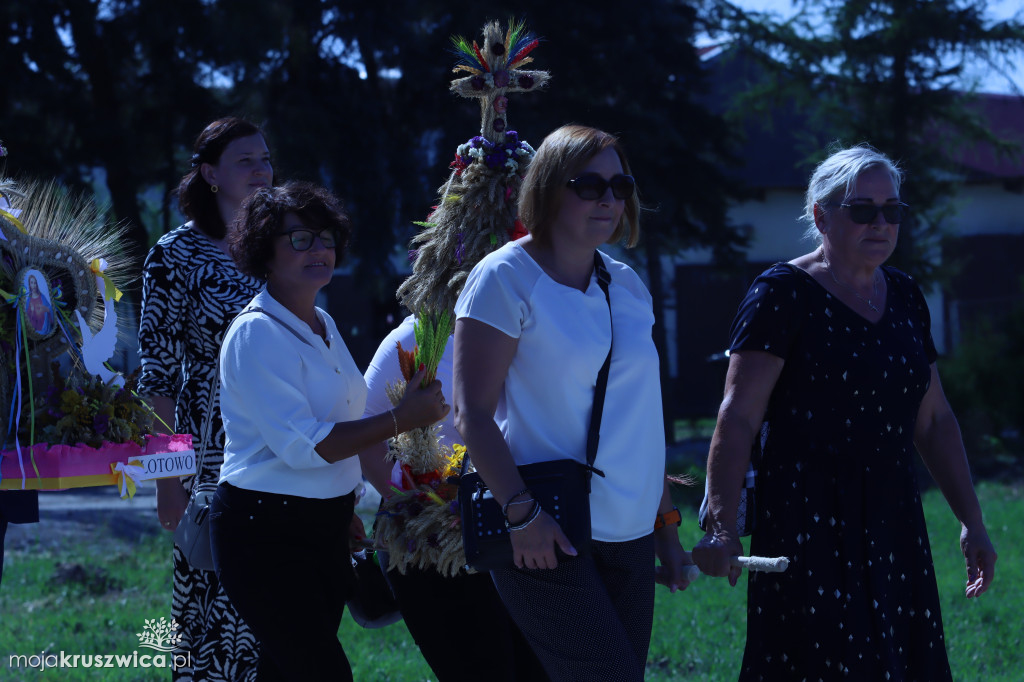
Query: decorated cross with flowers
(495,70)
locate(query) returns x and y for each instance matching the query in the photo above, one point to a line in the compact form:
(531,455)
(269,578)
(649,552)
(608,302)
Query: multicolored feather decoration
(515,29)
(483,62)
(520,53)
(469,55)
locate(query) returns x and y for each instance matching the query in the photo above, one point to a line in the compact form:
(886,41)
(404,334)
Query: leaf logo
(160,635)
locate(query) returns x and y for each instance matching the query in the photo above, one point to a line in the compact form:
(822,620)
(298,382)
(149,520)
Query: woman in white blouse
(292,400)
(532,331)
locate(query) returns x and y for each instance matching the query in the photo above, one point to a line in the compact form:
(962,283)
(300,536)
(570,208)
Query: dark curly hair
(195,199)
(261,216)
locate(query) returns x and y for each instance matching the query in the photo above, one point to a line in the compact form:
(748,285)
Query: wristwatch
(668,517)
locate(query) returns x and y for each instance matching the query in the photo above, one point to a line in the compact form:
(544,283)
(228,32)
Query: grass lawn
(92,596)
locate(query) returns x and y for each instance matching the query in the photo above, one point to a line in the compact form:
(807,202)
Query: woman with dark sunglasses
(292,400)
(533,330)
(832,354)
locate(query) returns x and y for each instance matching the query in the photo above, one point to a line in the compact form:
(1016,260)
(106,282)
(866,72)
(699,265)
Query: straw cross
(494,71)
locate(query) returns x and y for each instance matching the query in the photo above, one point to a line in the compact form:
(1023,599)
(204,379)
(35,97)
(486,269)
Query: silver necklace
(874,284)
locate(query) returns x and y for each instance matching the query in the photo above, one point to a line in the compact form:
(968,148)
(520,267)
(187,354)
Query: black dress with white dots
(836,488)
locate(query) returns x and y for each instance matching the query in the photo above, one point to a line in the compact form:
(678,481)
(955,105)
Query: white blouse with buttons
(280,396)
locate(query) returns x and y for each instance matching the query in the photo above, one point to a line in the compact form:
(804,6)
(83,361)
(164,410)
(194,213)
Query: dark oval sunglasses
(591,186)
(302,240)
(862,214)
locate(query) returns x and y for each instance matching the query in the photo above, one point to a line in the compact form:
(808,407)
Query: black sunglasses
(862,214)
(302,240)
(591,186)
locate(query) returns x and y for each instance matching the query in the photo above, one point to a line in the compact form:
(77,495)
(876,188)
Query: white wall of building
(778,234)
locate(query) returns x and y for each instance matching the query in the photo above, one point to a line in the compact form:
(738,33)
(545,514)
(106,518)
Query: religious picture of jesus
(38,309)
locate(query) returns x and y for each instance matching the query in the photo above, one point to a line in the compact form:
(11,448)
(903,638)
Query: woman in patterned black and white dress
(191,290)
(833,351)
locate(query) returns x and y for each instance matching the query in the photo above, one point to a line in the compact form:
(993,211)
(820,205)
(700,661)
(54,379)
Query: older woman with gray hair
(831,353)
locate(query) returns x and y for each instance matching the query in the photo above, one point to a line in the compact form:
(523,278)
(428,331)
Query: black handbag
(560,486)
(192,536)
(371,603)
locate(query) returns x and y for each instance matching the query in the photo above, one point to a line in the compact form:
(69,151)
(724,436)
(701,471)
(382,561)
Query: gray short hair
(837,173)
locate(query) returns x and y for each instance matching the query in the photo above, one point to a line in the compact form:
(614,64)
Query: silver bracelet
(394,419)
(530,518)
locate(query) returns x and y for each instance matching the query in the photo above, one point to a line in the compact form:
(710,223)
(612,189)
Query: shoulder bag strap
(204,434)
(604,279)
(257,309)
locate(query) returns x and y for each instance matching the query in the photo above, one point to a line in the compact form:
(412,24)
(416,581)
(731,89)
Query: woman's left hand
(674,559)
(534,546)
(980,556)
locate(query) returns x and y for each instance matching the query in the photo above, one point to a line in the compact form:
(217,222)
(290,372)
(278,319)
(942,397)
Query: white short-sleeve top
(544,411)
(280,396)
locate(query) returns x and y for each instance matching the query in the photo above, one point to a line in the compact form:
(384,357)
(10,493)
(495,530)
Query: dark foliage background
(107,96)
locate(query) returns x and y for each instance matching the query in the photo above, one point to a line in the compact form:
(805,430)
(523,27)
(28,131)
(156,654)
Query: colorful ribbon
(15,420)
(128,475)
(98,266)
(9,298)
(13,220)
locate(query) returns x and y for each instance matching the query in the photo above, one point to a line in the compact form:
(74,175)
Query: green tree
(358,100)
(362,101)
(891,73)
(640,76)
(99,85)
(982,381)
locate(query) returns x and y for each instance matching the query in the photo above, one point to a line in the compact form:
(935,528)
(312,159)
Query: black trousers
(284,563)
(16,506)
(462,628)
(591,617)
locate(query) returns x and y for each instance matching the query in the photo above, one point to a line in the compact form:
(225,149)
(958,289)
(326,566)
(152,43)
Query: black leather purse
(560,486)
(192,536)
(371,603)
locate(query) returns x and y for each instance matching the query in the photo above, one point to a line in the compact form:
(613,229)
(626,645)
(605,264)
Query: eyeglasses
(862,214)
(302,240)
(591,186)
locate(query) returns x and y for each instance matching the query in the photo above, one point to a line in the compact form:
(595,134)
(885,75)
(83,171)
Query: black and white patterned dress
(191,290)
(837,492)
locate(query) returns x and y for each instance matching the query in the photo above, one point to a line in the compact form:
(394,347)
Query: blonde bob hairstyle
(560,158)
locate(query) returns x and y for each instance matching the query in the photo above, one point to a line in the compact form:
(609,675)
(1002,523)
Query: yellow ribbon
(58,482)
(12,220)
(97,266)
(8,298)
(127,476)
